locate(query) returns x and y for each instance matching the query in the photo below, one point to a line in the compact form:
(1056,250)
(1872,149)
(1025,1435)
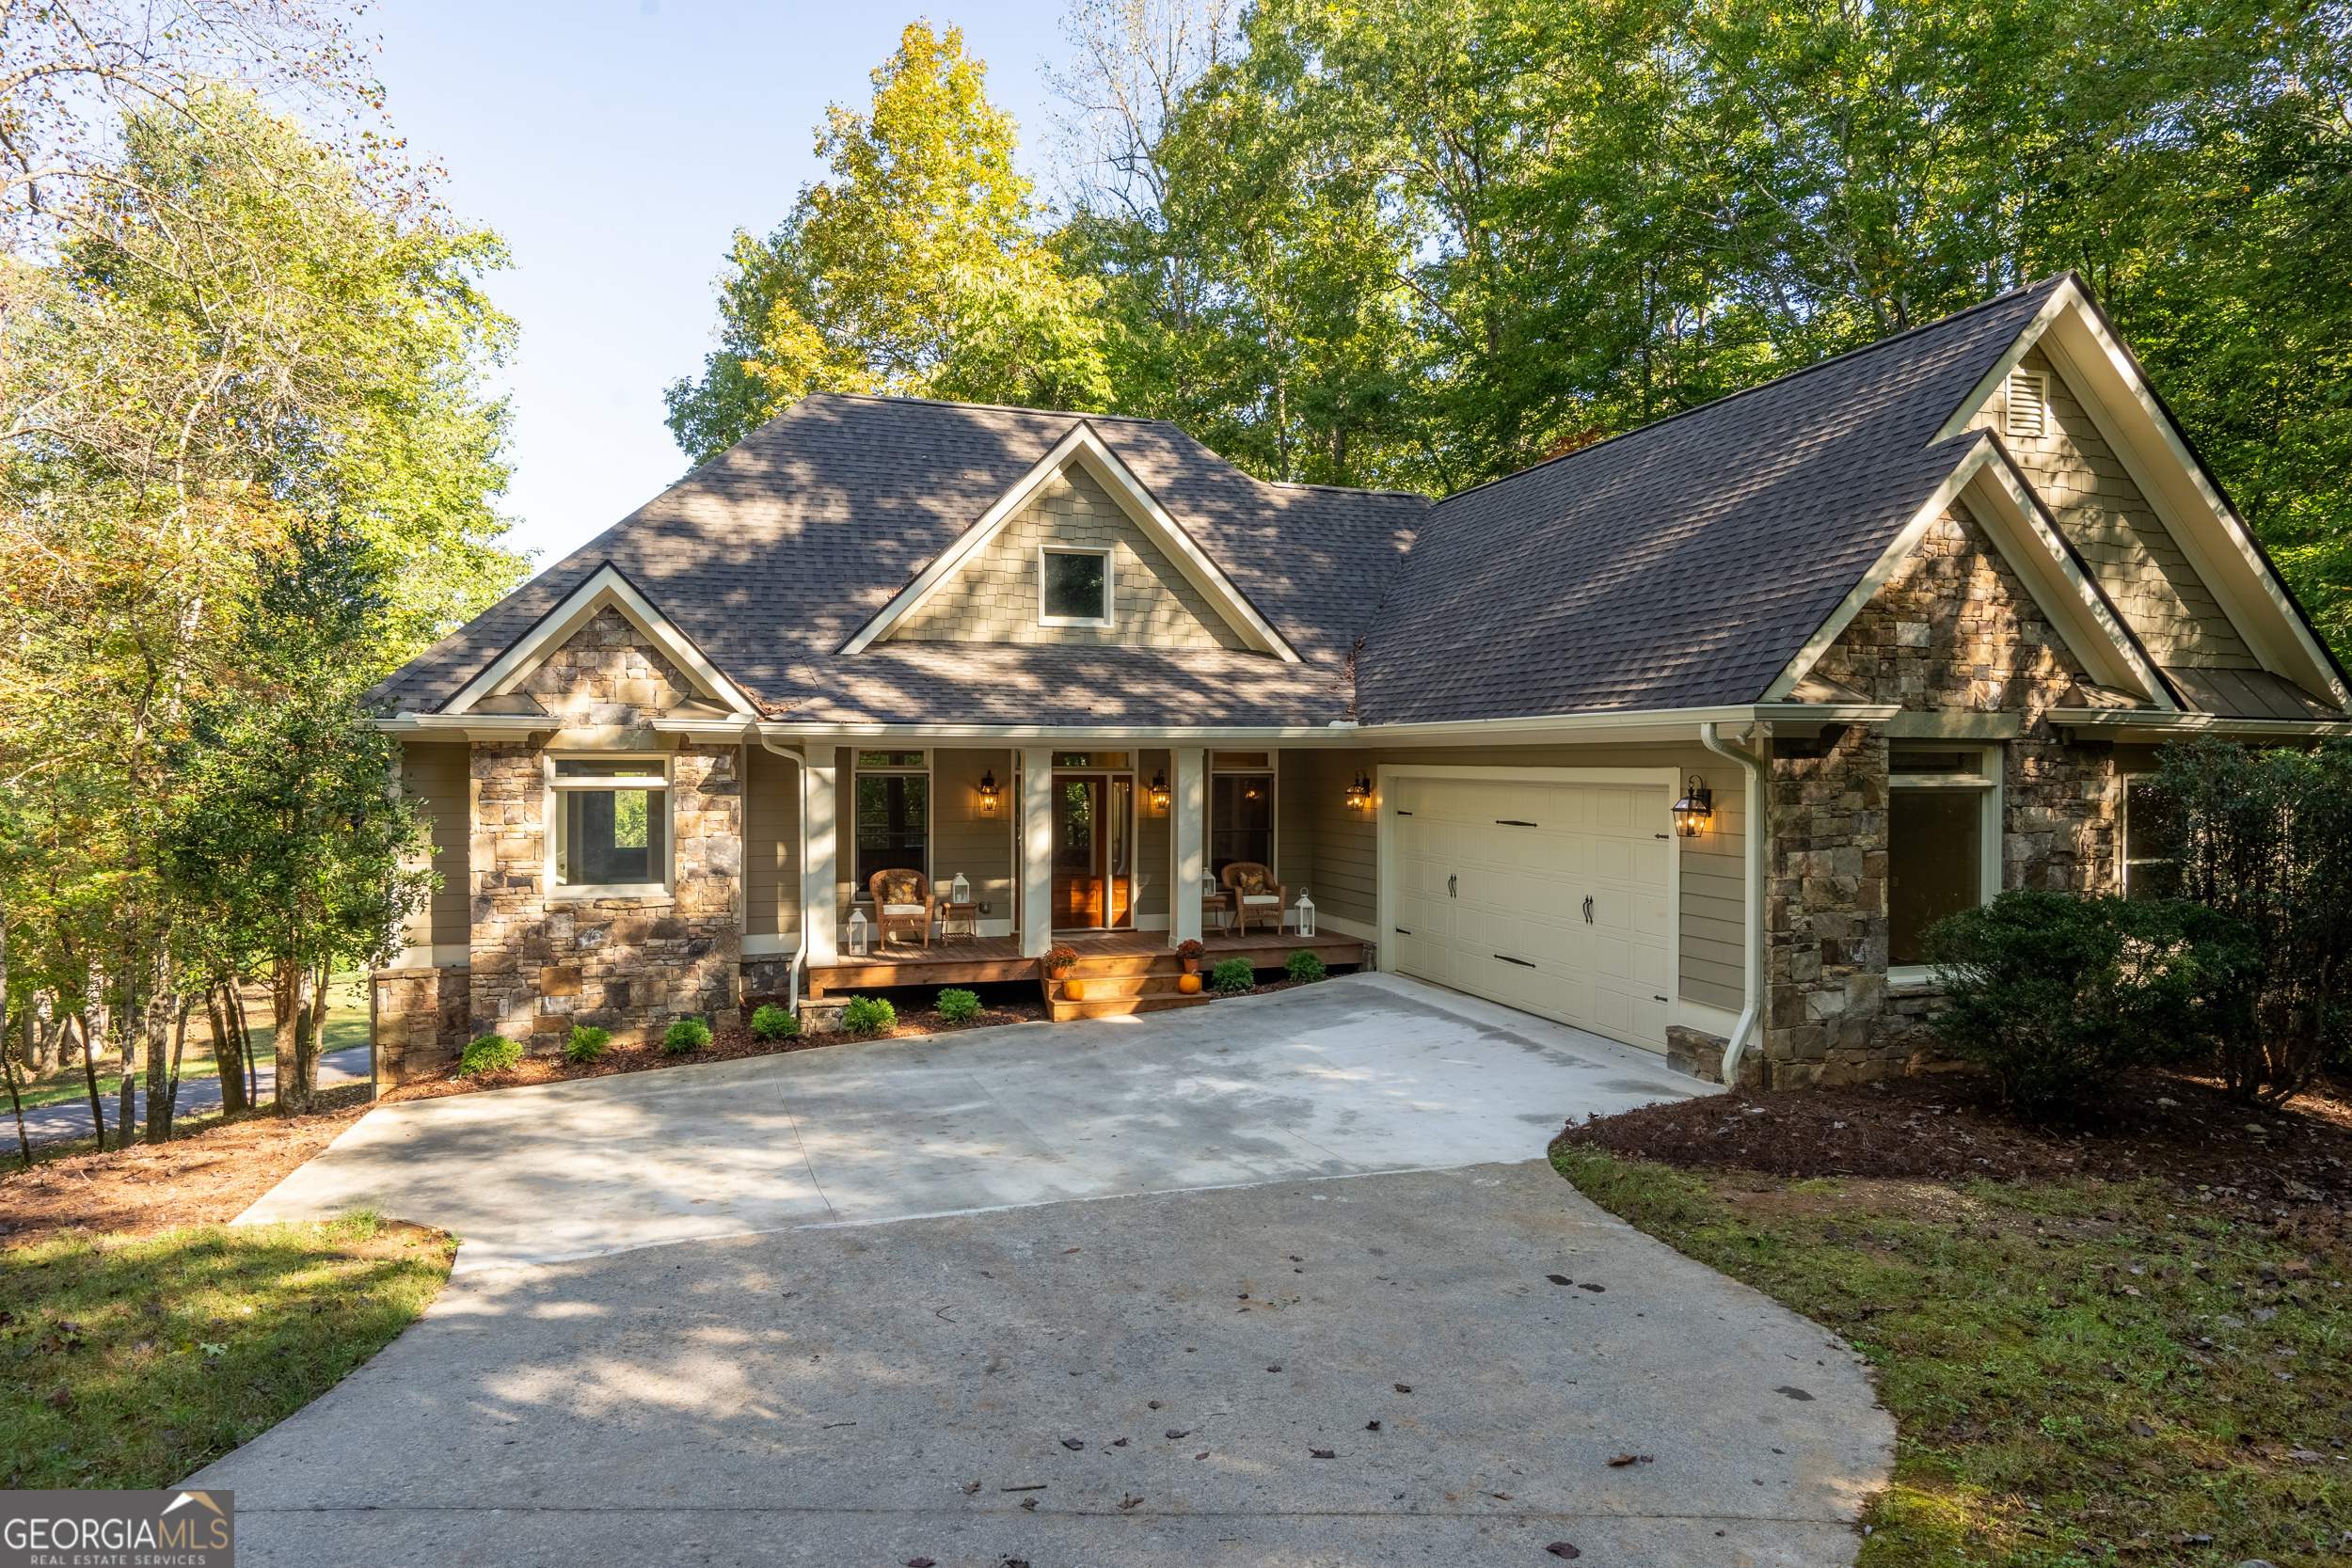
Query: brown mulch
(1951,1126)
(207,1177)
(730,1043)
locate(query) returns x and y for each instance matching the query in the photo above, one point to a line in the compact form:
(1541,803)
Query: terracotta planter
(1192,966)
(1074,991)
(1188,982)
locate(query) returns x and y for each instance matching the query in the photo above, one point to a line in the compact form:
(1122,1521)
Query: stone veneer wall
(1953,628)
(422,1016)
(608,674)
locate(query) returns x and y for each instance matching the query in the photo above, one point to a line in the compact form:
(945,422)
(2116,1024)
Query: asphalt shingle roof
(1685,564)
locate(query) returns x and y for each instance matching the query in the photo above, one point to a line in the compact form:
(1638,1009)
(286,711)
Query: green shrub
(869,1015)
(2054,993)
(490,1053)
(587,1044)
(956,1006)
(687,1034)
(1232,975)
(771,1022)
(1304,965)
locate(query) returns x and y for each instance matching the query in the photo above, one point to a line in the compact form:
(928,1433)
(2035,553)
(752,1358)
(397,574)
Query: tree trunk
(227,1051)
(179,1045)
(159,1071)
(244,1026)
(125,1028)
(297,1047)
(89,1076)
(8,1060)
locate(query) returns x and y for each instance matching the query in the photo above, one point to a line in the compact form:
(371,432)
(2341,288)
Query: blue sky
(617,144)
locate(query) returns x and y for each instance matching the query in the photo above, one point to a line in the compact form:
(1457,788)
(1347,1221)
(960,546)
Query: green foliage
(193,1342)
(1232,975)
(490,1053)
(957,1006)
(771,1022)
(2054,993)
(2265,838)
(915,269)
(2034,1399)
(587,1044)
(869,1015)
(1304,965)
(687,1034)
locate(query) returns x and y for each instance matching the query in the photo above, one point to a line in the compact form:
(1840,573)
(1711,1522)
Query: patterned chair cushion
(1249,878)
(901,887)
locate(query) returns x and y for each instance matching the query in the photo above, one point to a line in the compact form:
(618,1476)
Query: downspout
(799,949)
(1752,906)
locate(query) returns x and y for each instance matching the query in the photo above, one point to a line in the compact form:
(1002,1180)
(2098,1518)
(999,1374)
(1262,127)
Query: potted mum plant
(1189,951)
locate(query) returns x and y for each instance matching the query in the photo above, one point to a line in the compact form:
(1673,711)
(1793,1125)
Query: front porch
(1126,972)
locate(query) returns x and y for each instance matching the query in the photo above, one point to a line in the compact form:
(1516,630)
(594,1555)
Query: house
(1682,738)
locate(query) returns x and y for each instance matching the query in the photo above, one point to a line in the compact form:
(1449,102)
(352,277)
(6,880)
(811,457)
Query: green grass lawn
(2076,1370)
(131,1363)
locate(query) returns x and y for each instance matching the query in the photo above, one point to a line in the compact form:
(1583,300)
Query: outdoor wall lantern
(988,793)
(857,934)
(1159,790)
(1693,810)
(1359,792)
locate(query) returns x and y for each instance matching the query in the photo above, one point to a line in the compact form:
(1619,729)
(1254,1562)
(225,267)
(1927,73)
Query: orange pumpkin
(1074,991)
(1188,984)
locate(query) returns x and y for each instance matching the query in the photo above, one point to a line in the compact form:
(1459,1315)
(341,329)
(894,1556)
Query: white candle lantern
(959,891)
(1305,914)
(857,933)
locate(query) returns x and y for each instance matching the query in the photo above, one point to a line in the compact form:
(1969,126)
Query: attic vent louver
(2028,403)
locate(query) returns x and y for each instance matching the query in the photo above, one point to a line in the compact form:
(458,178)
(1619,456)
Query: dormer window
(1074,588)
(2028,403)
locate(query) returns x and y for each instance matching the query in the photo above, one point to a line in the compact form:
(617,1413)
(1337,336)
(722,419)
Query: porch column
(819,899)
(1036,872)
(1188,828)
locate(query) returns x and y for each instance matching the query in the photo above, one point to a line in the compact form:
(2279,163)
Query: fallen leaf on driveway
(1173,1434)
(1402,1388)
(1371,1426)
(1559,1279)
(1118,1442)
(1588,1285)
(1323,1453)
(972,1488)
(1561,1548)
(1127,1503)
(1029,1503)
(1073,1444)
(1794,1393)
(921,1563)
(1619,1462)
(1274,1369)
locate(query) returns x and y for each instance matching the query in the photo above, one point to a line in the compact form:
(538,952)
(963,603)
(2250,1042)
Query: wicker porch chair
(1255,892)
(903,899)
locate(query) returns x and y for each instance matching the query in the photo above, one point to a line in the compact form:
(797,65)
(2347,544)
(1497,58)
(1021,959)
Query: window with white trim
(1074,587)
(612,822)
(2028,403)
(2152,845)
(894,815)
(1943,844)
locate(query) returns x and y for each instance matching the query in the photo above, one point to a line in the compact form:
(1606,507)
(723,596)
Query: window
(2028,403)
(1943,843)
(1075,587)
(2151,842)
(612,822)
(1241,819)
(894,815)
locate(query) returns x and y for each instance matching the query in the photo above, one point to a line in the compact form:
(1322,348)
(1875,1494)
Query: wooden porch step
(1120,1006)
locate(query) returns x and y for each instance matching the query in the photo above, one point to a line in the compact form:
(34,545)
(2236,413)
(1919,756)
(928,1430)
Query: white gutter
(1751,906)
(800,949)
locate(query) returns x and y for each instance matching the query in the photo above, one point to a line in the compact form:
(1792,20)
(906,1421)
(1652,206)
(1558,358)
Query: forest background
(250,464)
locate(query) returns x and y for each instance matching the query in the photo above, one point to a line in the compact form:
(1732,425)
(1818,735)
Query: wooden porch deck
(1136,970)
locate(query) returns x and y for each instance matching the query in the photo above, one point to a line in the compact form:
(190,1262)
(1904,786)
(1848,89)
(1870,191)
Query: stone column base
(1695,1052)
(420,1021)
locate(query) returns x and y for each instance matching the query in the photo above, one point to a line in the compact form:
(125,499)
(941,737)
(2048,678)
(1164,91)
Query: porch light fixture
(1693,811)
(988,793)
(1359,792)
(1159,790)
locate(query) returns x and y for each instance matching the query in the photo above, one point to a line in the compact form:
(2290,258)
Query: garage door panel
(1522,858)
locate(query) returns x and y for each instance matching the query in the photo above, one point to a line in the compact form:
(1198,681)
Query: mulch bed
(730,1043)
(207,1177)
(2171,1126)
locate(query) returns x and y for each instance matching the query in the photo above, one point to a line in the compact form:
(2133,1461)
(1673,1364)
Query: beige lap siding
(994,597)
(962,838)
(772,844)
(434,777)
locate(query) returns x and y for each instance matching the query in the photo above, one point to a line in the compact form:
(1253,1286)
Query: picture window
(1075,587)
(612,822)
(1942,824)
(893,805)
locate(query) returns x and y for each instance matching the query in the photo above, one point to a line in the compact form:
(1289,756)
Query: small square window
(1076,587)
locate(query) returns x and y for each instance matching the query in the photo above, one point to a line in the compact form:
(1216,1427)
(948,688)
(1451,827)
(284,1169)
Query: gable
(601,634)
(992,596)
(2103,514)
(2156,514)
(606,673)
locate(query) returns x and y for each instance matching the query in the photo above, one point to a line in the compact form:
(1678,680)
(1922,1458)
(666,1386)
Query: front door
(1093,877)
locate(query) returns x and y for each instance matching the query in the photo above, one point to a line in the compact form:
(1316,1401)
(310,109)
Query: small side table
(950,912)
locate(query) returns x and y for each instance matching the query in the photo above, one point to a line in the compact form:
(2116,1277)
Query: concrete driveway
(1302,1320)
(1365,1074)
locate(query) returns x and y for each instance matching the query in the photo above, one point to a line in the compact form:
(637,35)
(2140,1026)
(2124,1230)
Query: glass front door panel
(1093,849)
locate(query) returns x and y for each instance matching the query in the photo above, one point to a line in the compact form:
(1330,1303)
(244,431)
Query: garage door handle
(1449,887)
(1588,911)
(1400,930)
(1514,822)
(1521,962)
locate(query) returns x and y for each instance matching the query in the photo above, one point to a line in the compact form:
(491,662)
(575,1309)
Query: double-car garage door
(1550,897)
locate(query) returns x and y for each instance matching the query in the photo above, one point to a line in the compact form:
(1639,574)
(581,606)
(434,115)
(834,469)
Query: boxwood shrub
(771,1022)
(956,1006)
(869,1015)
(490,1053)
(1232,975)
(687,1034)
(1304,965)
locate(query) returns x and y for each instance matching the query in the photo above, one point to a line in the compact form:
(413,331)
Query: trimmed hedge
(869,1015)
(957,1006)
(771,1022)
(1232,975)
(1304,965)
